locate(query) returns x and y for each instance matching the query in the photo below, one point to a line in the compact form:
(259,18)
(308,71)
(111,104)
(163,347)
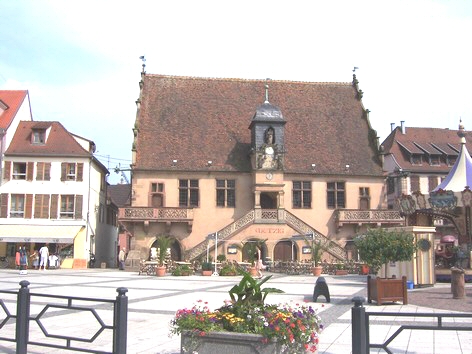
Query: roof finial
(461,132)
(144,65)
(267,91)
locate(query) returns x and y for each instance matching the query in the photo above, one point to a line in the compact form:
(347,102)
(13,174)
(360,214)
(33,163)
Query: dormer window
(38,137)
(416,159)
(435,160)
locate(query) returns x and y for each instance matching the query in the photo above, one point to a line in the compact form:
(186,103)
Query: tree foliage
(379,246)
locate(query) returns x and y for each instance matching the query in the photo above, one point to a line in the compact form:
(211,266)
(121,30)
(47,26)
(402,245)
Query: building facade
(253,160)
(54,192)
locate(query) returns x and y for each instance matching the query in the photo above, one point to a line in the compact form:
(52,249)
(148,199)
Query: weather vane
(355,68)
(143,60)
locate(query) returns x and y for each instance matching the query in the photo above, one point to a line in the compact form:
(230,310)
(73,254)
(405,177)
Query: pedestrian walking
(122,258)
(23,261)
(44,254)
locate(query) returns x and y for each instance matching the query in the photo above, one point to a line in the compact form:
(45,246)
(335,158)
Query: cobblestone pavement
(440,297)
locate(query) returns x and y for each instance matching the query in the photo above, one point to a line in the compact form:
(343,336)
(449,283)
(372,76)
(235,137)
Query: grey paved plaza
(153,301)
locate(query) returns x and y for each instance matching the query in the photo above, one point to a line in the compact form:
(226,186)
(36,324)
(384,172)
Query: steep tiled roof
(194,120)
(59,141)
(426,141)
(120,194)
(13,99)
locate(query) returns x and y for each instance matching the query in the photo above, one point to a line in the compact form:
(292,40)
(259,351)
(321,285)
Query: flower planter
(226,342)
(207,273)
(341,272)
(229,342)
(383,290)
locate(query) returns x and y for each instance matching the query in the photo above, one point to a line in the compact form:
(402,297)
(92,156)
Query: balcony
(164,215)
(378,217)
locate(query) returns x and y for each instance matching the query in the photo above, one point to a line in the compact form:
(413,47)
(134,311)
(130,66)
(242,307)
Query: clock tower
(267,154)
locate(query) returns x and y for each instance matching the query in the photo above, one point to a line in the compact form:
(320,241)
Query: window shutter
(47,171)
(4,205)
(78,207)
(80,172)
(39,171)
(7,171)
(29,206)
(63,171)
(54,201)
(41,206)
(29,171)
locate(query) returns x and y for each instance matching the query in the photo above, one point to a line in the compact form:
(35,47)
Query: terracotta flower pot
(317,271)
(160,271)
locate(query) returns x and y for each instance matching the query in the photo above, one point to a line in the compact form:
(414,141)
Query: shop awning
(39,233)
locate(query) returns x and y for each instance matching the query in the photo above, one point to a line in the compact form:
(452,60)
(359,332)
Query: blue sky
(80,59)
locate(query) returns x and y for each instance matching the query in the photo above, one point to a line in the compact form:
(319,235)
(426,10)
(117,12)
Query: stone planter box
(383,290)
(227,343)
(340,272)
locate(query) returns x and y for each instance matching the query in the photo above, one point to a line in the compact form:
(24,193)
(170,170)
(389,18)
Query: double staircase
(269,216)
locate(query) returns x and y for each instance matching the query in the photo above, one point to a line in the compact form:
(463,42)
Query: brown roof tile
(59,142)
(432,140)
(194,120)
(13,99)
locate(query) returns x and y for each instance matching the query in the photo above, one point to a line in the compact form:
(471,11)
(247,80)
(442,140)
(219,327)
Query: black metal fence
(54,315)
(361,325)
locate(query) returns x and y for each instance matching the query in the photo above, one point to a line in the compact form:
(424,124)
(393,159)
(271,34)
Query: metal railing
(361,325)
(47,311)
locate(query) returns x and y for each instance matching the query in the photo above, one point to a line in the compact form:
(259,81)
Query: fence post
(359,335)
(120,319)
(22,318)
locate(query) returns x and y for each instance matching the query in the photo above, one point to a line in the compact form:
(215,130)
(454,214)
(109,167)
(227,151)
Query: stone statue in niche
(269,136)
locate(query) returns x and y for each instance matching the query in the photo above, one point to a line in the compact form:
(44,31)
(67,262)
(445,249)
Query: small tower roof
(460,175)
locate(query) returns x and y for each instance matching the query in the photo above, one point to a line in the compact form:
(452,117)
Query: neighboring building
(14,107)
(54,192)
(252,160)
(120,195)
(417,160)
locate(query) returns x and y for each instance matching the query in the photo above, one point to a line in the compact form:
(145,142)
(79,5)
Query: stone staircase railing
(257,216)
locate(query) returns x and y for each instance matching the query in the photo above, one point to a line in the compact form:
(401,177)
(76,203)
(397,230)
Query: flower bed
(293,327)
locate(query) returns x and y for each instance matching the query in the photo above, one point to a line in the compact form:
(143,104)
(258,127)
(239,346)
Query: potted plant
(228,269)
(249,252)
(317,249)
(247,321)
(340,269)
(180,270)
(207,268)
(163,243)
(378,247)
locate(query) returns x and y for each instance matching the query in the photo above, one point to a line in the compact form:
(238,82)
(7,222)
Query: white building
(54,192)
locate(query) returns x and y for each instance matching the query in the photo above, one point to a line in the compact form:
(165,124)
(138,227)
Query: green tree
(378,247)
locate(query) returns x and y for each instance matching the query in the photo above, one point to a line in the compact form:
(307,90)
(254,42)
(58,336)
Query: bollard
(359,330)
(457,283)
(22,318)
(120,322)
(321,288)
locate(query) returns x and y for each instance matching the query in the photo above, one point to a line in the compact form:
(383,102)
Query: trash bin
(410,285)
(457,283)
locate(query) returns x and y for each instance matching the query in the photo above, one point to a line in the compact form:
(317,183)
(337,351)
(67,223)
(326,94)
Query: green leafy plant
(163,243)
(377,247)
(317,249)
(221,258)
(294,326)
(228,269)
(207,266)
(250,248)
(182,270)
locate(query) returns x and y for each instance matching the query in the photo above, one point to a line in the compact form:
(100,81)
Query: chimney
(392,126)
(402,124)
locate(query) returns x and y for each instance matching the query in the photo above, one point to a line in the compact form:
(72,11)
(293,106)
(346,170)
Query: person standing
(122,258)
(23,261)
(44,254)
(259,264)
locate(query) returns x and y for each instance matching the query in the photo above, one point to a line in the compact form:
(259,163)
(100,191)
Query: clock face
(269,150)
(269,176)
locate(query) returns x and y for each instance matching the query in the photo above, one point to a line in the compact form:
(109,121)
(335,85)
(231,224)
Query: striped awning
(39,233)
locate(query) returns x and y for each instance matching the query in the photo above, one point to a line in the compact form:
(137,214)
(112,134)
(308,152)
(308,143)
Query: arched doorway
(175,249)
(249,249)
(285,251)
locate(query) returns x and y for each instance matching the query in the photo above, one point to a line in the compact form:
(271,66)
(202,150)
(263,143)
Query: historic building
(416,161)
(54,192)
(252,160)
